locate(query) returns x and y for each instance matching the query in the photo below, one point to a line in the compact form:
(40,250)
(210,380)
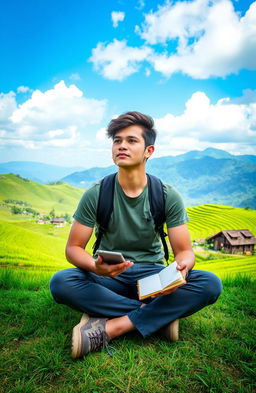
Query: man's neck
(132,180)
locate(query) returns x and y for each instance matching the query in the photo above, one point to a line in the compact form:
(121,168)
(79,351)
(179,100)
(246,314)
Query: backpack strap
(157,208)
(105,206)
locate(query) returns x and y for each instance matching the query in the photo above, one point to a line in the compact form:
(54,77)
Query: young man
(108,293)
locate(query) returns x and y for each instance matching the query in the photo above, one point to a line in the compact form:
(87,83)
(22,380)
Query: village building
(58,221)
(42,221)
(239,241)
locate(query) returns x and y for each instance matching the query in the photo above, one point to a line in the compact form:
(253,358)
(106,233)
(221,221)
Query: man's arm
(183,253)
(182,249)
(78,256)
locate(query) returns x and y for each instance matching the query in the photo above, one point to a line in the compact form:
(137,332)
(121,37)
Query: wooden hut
(239,241)
(58,221)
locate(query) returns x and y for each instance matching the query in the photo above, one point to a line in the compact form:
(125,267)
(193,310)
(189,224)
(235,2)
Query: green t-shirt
(131,227)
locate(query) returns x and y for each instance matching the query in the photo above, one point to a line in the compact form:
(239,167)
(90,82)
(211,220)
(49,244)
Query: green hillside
(205,220)
(25,243)
(62,197)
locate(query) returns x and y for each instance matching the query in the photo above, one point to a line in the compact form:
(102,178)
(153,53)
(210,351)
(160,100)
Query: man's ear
(149,151)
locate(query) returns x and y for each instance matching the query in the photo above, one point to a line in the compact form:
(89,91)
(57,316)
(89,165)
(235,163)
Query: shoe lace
(98,340)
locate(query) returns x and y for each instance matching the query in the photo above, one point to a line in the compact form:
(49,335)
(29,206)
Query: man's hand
(182,266)
(184,270)
(104,269)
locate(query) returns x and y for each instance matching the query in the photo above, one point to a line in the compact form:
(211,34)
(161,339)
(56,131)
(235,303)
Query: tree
(16,210)
(52,213)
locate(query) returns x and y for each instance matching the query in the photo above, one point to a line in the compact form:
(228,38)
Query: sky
(68,67)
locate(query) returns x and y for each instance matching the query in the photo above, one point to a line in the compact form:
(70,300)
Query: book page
(150,284)
(169,275)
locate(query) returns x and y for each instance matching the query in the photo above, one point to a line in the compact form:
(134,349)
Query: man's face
(128,147)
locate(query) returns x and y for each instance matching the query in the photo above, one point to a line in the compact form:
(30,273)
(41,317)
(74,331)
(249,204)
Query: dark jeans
(115,297)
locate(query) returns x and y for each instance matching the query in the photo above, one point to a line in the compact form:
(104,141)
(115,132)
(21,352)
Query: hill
(61,197)
(37,171)
(210,176)
(25,243)
(206,220)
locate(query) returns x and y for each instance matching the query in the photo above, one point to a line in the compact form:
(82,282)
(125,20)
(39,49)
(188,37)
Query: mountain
(209,176)
(37,171)
(88,177)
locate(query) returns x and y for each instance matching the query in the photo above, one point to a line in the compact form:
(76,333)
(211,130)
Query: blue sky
(68,67)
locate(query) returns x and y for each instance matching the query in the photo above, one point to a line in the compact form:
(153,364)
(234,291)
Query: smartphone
(111,257)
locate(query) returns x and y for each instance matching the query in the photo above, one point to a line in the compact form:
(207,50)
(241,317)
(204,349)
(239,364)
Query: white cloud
(117,16)
(223,125)
(200,38)
(58,117)
(23,89)
(101,134)
(141,4)
(7,106)
(117,60)
(248,97)
(213,40)
(75,77)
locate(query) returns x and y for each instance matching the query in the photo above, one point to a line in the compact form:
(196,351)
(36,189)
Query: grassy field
(25,243)
(215,353)
(216,350)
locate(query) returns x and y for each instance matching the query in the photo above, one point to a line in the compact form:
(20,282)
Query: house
(42,221)
(58,221)
(239,241)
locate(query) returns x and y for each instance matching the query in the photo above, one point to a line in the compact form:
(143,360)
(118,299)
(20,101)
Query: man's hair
(134,118)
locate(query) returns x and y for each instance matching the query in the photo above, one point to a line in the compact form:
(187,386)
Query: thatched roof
(237,237)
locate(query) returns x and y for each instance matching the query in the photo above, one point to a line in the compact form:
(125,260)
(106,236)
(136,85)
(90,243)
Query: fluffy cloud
(57,117)
(101,135)
(223,125)
(200,38)
(7,106)
(23,89)
(117,17)
(213,40)
(117,60)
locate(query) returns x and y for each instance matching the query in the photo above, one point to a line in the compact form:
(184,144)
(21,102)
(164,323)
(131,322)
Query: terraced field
(205,220)
(25,243)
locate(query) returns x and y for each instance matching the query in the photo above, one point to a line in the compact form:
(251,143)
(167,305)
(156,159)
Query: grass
(229,266)
(214,354)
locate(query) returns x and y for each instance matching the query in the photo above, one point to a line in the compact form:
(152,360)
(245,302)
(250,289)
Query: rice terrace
(216,350)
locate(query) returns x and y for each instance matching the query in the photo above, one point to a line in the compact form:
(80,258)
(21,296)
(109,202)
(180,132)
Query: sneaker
(171,331)
(88,336)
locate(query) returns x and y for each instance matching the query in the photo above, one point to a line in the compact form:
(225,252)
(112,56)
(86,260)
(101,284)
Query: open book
(167,278)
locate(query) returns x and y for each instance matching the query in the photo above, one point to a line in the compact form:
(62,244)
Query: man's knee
(212,287)
(61,284)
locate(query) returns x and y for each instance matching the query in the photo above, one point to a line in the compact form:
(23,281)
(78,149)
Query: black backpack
(106,203)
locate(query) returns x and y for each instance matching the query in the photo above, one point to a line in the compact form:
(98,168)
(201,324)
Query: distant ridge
(208,176)
(37,171)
